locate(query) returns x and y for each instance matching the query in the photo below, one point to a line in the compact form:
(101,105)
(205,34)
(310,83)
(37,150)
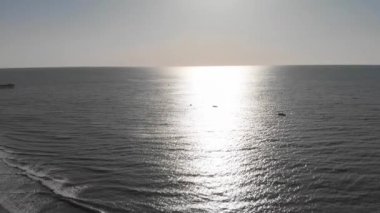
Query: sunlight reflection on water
(217,121)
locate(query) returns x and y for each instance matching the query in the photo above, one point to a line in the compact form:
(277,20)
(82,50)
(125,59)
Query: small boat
(281,114)
(7,86)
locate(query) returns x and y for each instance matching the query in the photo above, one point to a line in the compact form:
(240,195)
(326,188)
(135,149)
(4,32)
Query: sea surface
(190,139)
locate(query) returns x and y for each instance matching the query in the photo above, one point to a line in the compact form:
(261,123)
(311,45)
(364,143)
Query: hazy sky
(188,32)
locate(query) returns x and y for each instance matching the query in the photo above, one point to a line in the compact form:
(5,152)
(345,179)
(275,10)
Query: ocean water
(191,139)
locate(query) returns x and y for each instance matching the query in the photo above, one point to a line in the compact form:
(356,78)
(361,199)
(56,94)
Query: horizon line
(151,67)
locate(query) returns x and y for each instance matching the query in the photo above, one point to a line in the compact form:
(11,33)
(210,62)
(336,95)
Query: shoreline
(27,189)
(2,209)
(3,173)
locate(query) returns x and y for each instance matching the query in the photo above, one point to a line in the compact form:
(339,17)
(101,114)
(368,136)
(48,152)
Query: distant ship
(7,86)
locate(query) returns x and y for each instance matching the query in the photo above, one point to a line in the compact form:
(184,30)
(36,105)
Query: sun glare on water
(216,95)
(217,101)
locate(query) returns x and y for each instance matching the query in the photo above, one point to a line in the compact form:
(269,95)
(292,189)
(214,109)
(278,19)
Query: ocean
(190,139)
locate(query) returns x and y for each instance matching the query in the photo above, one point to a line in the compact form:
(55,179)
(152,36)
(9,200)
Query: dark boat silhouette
(7,86)
(281,114)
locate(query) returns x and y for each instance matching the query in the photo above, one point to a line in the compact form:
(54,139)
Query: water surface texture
(204,139)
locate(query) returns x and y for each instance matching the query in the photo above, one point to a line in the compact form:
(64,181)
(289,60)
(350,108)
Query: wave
(60,187)
(57,185)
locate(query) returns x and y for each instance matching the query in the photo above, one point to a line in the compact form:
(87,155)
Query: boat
(7,86)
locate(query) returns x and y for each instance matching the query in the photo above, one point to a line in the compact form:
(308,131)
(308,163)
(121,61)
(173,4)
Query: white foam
(58,186)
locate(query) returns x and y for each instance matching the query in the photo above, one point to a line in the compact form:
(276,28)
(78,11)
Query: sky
(50,33)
